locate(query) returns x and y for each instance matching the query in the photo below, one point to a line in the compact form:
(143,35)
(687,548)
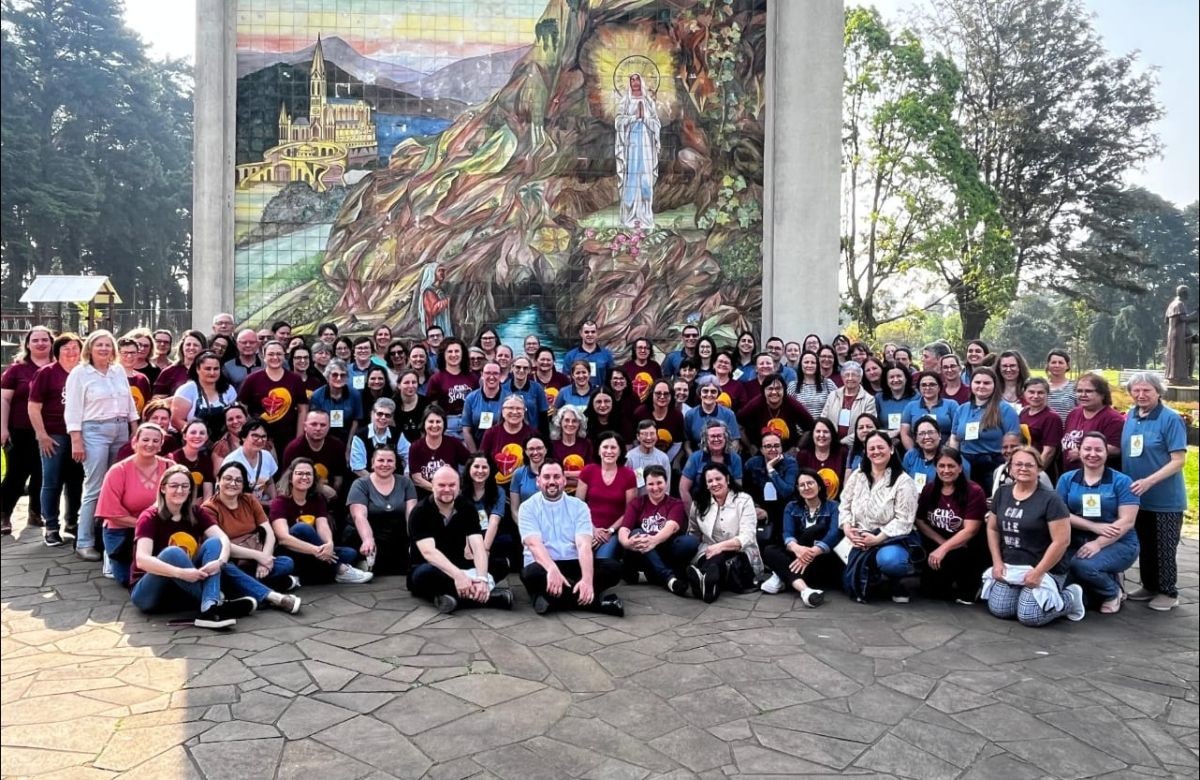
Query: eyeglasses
(1023,466)
(662,392)
(228,480)
(383,414)
(258,435)
(336,375)
(397,353)
(925,434)
(179,486)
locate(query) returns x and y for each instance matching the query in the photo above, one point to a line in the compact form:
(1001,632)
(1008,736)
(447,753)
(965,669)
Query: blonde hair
(86,354)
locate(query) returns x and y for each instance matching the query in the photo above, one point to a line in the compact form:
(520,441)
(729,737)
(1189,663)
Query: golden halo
(635,63)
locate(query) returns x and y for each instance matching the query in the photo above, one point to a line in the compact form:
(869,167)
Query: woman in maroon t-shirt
(16,432)
(950,515)
(46,415)
(1095,412)
(434,450)
(195,457)
(449,386)
(607,487)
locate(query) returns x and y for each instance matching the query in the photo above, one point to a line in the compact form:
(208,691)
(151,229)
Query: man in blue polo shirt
(598,358)
(691,337)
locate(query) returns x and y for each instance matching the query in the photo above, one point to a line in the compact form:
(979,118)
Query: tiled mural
(525,164)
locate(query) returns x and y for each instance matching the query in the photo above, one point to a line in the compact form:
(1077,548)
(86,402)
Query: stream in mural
(547,161)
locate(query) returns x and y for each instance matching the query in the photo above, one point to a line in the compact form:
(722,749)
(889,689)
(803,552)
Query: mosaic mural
(525,164)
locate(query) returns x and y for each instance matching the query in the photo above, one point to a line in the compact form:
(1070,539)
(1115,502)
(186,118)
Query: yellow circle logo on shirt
(778,427)
(832,483)
(308,519)
(551,395)
(185,542)
(724,400)
(573,462)
(139,400)
(508,460)
(197,478)
(276,405)
(642,384)
(322,470)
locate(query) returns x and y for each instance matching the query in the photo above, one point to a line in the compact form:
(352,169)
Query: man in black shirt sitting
(443,529)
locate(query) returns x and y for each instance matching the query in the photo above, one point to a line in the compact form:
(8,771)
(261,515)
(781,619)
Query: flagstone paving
(368,683)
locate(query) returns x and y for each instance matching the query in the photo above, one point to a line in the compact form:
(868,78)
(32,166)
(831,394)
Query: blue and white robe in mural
(638,145)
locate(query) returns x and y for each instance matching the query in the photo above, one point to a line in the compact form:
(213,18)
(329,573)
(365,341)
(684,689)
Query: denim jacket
(798,523)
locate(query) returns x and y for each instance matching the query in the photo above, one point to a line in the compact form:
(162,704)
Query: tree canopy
(97,153)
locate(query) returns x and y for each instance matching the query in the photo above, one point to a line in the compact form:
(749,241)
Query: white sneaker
(107,568)
(1075,608)
(353,576)
(773,584)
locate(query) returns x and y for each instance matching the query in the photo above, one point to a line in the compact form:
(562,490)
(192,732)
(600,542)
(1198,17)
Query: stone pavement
(366,682)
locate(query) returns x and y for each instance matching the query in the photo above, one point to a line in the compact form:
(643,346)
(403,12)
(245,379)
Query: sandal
(1113,605)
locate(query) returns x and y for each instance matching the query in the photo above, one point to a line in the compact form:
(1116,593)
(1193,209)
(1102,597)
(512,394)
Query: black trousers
(606,572)
(23,463)
(824,572)
(427,581)
(961,573)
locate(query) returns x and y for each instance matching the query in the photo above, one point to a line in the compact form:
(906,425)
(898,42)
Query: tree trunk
(973,313)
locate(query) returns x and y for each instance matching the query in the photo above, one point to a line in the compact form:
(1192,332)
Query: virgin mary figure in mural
(431,301)
(638,145)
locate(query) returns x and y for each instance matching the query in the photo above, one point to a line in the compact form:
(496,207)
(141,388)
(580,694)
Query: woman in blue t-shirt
(980,425)
(1153,445)
(894,397)
(1103,509)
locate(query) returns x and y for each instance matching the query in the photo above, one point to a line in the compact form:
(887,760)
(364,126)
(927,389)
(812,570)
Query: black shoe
(52,539)
(5,527)
(445,603)
(35,520)
(900,594)
(501,598)
(611,605)
(695,578)
(541,605)
(677,586)
(242,606)
(214,617)
(630,574)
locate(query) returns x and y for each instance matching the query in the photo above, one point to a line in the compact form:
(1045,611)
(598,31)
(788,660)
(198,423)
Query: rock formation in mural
(616,175)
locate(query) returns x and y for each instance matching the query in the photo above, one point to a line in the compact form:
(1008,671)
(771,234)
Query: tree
(1053,121)
(97,153)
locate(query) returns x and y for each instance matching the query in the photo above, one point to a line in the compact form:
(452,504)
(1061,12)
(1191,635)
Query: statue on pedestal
(1180,339)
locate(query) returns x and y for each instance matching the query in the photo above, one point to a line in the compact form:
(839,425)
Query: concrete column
(803,169)
(213,148)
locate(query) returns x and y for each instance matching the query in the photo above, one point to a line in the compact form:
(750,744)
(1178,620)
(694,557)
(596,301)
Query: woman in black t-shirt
(1029,530)
(950,515)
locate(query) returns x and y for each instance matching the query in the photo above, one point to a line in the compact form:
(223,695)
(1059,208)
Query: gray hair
(851,367)
(320,346)
(337,364)
(556,422)
(1146,378)
(708,380)
(715,423)
(939,348)
(384,405)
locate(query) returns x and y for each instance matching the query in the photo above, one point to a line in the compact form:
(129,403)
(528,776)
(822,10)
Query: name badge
(893,422)
(920,478)
(769,493)
(485,420)
(336,418)
(483,520)
(592,367)
(640,473)
(359,381)
(1136,443)
(737,374)
(1091,504)
(844,418)
(972,431)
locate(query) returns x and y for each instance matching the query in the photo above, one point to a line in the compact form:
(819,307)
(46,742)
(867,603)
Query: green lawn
(1191,479)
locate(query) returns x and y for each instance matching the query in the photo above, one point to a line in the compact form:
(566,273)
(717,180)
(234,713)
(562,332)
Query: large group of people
(224,471)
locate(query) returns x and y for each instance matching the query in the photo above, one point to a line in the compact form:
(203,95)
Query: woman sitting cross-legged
(810,532)
(1029,530)
(878,510)
(650,533)
(723,527)
(179,554)
(254,567)
(1103,510)
(300,520)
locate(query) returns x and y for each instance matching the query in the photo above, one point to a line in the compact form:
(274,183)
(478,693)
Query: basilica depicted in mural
(524,165)
(319,148)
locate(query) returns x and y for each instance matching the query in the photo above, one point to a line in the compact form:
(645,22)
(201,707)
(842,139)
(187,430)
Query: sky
(1165,32)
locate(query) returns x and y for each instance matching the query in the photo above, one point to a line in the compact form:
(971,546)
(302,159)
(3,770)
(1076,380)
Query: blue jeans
(242,584)
(1101,573)
(118,543)
(59,471)
(609,549)
(893,561)
(155,592)
(102,439)
(667,560)
(311,569)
